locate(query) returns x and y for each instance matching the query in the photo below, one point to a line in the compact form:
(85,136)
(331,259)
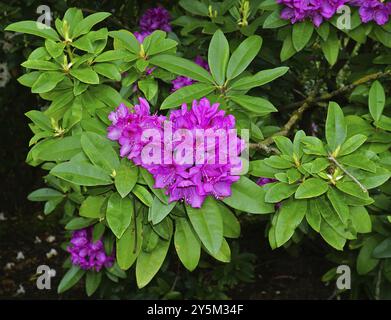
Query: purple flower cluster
(87,254)
(127,128)
(192,181)
(373,10)
(181,81)
(153,19)
(315,10)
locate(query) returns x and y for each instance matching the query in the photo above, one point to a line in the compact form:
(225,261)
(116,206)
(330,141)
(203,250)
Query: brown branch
(307,103)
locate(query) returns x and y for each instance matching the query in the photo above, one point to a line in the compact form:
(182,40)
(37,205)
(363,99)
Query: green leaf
(218,55)
(99,150)
(87,23)
(274,20)
(208,224)
(278,162)
(289,218)
(85,74)
(224,253)
(108,70)
(256,105)
(126,177)
(231,225)
(383,249)
(79,173)
(365,261)
(284,144)
(247,196)
(259,79)
(336,129)
(149,87)
(311,188)
(279,191)
(301,34)
(73,275)
(187,245)
(194,7)
(40,119)
(352,144)
(331,47)
(352,188)
(373,180)
(113,55)
(79,223)
(361,219)
(59,149)
(243,55)
(377,100)
(54,48)
(92,207)
(159,210)
(187,94)
(333,238)
(40,65)
(313,145)
(45,194)
(129,245)
(47,81)
(93,280)
(287,50)
(313,215)
(149,263)
(127,40)
(182,67)
(34,28)
(119,214)
(360,161)
(143,195)
(338,202)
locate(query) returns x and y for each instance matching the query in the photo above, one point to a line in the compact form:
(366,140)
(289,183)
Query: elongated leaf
(377,99)
(187,244)
(99,150)
(310,188)
(93,280)
(119,214)
(365,261)
(129,245)
(73,275)
(87,23)
(85,74)
(352,144)
(280,191)
(92,207)
(259,79)
(182,67)
(218,55)
(335,126)
(34,28)
(208,224)
(187,94)
(126,177)
(256,105)
(81,174)
(247,196)
(159,210)
(45,194)
(289,218)
(149,263)
(243,56)
(301,34)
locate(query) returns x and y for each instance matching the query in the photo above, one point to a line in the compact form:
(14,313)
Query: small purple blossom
(86,254)
(182,81)
(315,10)
(140,36)
(373,10)
(155,19)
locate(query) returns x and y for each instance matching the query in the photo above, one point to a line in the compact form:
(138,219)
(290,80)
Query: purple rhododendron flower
(140,36)
(194,182)
(86,254)
(373,10)
(181,81)
(315,10)
(127,128)
(189,181)
(155,19)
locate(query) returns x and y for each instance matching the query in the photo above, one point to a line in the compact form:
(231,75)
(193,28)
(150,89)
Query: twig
(344,89)
(378,281)
(331,158)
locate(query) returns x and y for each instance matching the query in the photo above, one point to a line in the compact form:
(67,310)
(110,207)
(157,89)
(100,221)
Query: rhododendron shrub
(157,143)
